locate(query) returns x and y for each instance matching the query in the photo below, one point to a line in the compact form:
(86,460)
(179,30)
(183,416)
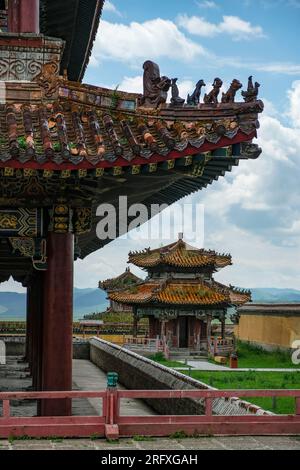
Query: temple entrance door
(183,332)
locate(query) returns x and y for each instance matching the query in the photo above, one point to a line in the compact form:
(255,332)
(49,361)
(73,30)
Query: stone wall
(139,373)
(269,331)
(15,346)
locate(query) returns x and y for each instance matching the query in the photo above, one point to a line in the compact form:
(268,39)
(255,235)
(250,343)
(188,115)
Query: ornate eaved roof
(179,255)
(180,292)
(85,127)
(76,22)
(125,280)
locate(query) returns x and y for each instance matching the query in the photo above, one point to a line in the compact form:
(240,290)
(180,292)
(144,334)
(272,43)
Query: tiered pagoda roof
(125,280)
(181,292)
(180,255)
(173,289)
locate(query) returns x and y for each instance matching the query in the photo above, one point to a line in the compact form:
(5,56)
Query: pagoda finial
(180,236)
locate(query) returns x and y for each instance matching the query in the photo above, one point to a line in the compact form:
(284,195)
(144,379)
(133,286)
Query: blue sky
(254,212)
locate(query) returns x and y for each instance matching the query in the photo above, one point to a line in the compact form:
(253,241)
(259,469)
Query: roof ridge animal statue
(252,92)
(194,99)
(176,100)
(155,87)
(212,97)
(229,96)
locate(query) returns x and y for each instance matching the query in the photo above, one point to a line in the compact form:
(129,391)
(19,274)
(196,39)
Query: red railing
(112,424)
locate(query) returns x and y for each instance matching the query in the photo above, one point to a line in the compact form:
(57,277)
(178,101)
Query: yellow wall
(272,330)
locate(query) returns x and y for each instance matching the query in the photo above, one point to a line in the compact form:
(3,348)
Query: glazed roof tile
(89,127)
(181,292)
(125,280)
(179,255)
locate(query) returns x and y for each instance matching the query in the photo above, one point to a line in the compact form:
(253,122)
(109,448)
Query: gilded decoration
(22,222)
(82,220)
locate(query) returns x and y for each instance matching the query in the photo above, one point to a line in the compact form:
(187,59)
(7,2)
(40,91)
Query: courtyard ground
(154,444)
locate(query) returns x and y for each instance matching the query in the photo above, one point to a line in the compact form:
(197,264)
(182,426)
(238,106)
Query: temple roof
(86,127)
(76,22)
(180,255)
(181,292)
(125,280)
(88,145)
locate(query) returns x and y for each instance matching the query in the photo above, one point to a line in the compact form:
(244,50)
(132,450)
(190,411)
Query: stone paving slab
(153,444)
(87,376)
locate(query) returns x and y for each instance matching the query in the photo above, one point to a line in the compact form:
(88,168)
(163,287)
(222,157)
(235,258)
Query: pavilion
(66,147)
(180,296)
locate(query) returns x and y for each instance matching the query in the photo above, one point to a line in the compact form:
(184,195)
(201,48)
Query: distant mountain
(86,301)
(261,295)
(13,305)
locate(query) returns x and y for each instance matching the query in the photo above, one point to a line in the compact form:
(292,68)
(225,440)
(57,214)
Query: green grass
(159,357)
(254,356)
(255,380)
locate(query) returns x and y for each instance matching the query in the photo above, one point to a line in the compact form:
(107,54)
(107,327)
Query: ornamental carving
(21,222)
(8,222)
(82,220)
(26,63)
(48,79)
(34,248)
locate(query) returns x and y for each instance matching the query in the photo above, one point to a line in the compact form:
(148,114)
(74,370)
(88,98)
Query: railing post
(6,409)
(208,406)
(111,426)
(297,400)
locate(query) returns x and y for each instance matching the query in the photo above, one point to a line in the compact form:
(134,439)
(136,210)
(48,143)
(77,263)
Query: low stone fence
(140,373)
(16,346)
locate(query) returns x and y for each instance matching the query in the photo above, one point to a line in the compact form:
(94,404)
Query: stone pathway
(87,376)
(204,443)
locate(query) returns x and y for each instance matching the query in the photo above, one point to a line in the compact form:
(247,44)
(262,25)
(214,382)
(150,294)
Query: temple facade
(180,297)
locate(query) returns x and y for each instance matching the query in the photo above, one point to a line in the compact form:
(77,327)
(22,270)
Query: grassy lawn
(253,356)
(255,380)
(250,356)
(159,357)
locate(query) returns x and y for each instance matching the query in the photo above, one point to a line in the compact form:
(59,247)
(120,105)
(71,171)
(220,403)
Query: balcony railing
(112,424)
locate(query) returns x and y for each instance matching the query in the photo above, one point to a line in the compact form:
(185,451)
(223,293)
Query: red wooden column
(58,323)
(28,328)
(24,16)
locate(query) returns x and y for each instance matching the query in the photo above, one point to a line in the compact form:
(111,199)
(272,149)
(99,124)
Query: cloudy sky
(254,212)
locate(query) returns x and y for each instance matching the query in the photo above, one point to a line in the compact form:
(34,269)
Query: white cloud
(254,213)
(294,97)
(207,4)
(152,39)
(132,84)
(111,8)
(232,25)
(286,68)
(279,67)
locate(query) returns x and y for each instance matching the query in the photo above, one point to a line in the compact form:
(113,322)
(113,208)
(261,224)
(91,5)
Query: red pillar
(28,327)
(58,322)
(24,16)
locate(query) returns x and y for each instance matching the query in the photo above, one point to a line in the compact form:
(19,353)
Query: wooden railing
(220,347)
(148,344)
(112,424)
